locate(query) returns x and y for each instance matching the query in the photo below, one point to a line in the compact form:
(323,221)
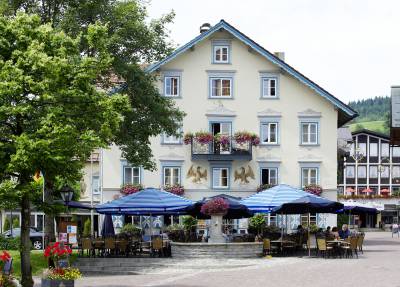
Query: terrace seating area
(124,247)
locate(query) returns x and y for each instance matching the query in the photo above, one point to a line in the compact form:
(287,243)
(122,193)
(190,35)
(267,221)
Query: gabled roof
(346,113)
(372,133)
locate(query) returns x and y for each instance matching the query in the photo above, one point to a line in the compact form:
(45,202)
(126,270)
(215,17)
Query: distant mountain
(373,114)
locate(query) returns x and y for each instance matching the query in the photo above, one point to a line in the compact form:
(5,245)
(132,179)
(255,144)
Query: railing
(216,150)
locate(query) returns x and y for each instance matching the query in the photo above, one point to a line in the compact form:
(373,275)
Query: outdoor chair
(122,247)
(360,242)
(86,245)
(266,246)
(157,246)
(109,245)
(323,249)
(99,246)
(351,248)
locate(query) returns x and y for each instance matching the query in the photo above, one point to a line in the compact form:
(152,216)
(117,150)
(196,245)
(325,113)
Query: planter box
(58,283)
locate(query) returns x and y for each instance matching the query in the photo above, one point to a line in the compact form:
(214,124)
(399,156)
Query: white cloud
(350,48)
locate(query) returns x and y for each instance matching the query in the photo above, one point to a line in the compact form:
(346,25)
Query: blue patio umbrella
(150,201)
(108,226)
(356,208)
(266,200)
(309,204)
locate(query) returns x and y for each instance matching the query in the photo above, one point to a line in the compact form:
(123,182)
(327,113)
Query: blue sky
(351,48)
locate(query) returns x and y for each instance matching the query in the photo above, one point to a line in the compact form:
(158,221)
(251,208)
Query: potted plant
(176,189)
(187,138)
(128,188)
(255,139)
(6,279)
(62,274)
(265,186)
(130,230)
(313,189)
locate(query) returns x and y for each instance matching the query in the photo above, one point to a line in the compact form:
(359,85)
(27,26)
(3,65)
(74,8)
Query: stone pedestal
(216,229)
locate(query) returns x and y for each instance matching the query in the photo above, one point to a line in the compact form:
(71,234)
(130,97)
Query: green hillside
(373,114)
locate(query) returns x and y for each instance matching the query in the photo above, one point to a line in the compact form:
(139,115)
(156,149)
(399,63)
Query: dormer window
(221,51)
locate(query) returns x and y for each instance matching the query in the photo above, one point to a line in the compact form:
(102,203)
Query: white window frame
(170,95)
(220,186)
(373,171)
(363,170)
(268,124)
(373,149)
(266,87)
(385,149)
(172,171)
(309,124)
(309,181)
(220,47)
(95,189)
(269,175)
(139,177)
(212,79)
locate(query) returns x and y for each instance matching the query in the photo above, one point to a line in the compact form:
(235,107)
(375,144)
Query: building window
(221,53)
(171,139)
(131,175)
(350,170)
(385,172)
(309,175)
(220,177)
(171,86)
(396,173)
(269,87)
(221,87)
(172,176)
(363,148)
(385,150)
(269,176)
(309,133)
(361,171)
(269,133)
(95,184)
(396,151)
(373,149)
(304,219)
(373,171)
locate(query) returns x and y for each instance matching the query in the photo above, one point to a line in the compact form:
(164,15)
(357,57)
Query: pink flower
(216,205)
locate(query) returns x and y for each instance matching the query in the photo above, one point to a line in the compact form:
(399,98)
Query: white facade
(242,90)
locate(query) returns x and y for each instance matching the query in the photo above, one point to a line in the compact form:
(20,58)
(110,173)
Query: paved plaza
(377,267)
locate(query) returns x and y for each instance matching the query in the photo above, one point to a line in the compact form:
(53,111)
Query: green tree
(15,223)
(257,223)
(51,113)
(7,224)
(86,228)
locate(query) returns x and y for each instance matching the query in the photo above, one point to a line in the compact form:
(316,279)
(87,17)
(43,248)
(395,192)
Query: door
(224,130)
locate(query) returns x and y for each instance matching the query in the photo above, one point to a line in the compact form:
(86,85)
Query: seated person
(335,233)
(344,232)
(300,229)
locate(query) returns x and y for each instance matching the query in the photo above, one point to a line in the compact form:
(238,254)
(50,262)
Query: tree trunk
(26,271)
(49,231)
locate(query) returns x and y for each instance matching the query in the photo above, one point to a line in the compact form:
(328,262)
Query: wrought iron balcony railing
(231,150)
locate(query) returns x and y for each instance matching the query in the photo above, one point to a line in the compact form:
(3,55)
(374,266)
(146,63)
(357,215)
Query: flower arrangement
(264,187)
(57,251)
(62,274)
(313,189)
(176,189)
(4,257)
(372,196)
(127,189)
(203,137)
(187,138)
(216,205)
(255,139)
(243,137)
(222,140)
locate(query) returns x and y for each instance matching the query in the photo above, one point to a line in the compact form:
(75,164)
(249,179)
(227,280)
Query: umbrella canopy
(74,204)
(265,201)
(309,204)
(357,208)
(235,209)
(108,226)
(150,201)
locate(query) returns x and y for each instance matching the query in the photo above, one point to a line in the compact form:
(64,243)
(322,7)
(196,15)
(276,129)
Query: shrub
(15,222)
(176,189)
(9,243)
(87,228)
(257,223)
(176,233)
(216,205)
(313,189)
(7,225)
(189,223)
(131,230)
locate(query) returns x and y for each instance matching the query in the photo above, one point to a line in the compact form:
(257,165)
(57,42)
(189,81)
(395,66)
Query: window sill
(269,98)
(219,188)
(220,98)
(172,144)
(172,97)
(310,145)
(221,63)
(269,144)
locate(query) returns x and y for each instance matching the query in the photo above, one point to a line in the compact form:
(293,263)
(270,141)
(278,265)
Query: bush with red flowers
(4,257)
(57,251)
(216,205)
(203,137)
(127,189)
(313,189)
(175,189)
(243,137)
(187,138)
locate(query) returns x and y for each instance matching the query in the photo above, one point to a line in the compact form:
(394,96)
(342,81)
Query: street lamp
(66,194)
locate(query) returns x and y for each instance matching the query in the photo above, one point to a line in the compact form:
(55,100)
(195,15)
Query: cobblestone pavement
(377,267)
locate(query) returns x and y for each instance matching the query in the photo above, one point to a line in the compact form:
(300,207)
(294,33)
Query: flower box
(57,283)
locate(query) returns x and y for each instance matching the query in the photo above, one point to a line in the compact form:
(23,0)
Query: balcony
(231,149)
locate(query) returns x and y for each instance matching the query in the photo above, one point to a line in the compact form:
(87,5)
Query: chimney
(280,55)
(205,27)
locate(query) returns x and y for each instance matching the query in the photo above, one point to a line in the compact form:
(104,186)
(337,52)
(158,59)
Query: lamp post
(66,194)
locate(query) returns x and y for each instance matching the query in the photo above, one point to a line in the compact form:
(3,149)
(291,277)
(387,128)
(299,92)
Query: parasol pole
(309,238)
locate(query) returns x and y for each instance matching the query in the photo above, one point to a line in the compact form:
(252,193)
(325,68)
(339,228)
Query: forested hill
(371,109)
(373,114)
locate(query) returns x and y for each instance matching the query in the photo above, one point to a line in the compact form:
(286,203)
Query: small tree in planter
(313,189)
(128,188)
(62,274)
(87,228)
(216,208)
(176,189)
(257,223)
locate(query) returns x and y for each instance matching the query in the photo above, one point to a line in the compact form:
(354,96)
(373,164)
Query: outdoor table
(337,244)
(282,243)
